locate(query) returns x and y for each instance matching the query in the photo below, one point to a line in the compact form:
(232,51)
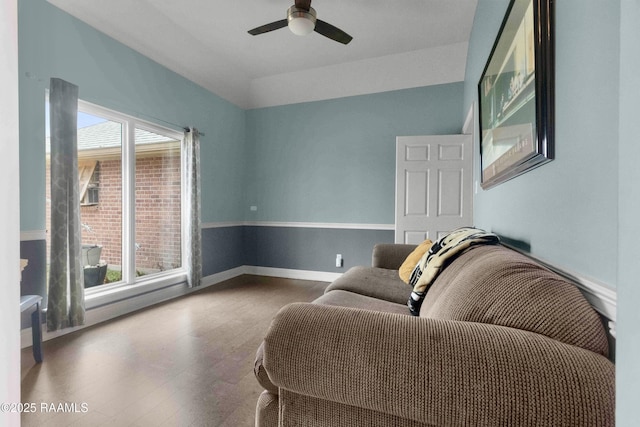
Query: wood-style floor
(186,362)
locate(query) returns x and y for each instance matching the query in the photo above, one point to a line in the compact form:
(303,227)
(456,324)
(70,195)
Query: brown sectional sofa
(500,341)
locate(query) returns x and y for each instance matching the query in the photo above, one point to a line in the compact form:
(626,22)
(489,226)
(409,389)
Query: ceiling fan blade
(303,4)
(332,32)
(268,27)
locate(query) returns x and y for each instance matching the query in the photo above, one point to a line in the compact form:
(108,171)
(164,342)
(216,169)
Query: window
(88,178)
(131,200)
(158,202)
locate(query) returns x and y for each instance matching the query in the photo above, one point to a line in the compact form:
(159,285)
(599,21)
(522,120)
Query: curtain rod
(119,108)
(156,119)
(199,133)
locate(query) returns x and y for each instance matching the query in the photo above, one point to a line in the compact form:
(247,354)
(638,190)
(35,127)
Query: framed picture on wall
(516,94)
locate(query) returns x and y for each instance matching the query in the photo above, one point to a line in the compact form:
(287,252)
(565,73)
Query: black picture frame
(516,94)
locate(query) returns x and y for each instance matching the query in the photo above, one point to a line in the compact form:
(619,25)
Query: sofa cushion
(352,300)
(267,410)
(373,282)
(303,410)
(494,284)
(390,255)
(413,259)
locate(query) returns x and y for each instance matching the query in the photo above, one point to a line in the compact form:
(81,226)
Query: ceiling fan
(301,20)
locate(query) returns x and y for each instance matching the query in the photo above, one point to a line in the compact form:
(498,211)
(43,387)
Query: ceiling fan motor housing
(301,22)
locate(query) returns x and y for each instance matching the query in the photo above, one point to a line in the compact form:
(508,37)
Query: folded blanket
(439,255)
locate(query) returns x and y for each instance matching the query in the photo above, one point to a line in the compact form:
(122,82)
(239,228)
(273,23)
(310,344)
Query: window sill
(97,297)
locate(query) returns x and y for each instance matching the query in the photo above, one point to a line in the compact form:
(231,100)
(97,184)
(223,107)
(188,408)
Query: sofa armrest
(390,255)
(435,371)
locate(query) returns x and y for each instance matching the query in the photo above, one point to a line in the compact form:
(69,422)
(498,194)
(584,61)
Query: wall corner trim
(469,121)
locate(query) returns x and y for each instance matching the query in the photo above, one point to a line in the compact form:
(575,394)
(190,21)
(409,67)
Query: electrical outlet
(338,260)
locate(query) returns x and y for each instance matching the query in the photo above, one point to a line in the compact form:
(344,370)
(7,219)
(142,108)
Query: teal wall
(581,210)
(54,44)
(334,161)
(628,345)
(326,161)
(581,184)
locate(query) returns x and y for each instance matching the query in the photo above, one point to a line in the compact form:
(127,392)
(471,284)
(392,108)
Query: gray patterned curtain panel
(191,148)
(66,281)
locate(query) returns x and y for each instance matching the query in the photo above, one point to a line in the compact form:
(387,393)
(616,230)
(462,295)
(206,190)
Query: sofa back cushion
(496,285)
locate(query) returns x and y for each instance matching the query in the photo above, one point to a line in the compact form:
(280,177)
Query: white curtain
(66,280)
(191,148)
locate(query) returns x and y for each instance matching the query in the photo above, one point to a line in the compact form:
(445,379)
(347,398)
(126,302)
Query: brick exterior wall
(158,213)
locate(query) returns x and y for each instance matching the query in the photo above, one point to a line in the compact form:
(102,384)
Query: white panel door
(433,186)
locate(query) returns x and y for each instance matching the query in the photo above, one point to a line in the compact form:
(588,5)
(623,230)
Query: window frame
(130,285)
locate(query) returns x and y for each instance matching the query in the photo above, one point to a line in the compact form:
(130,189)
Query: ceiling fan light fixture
(301,22)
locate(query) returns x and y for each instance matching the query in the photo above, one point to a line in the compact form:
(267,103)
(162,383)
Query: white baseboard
(319,276)
(135,303)
(221,277)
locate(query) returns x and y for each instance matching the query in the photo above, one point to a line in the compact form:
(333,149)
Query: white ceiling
(207,42)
